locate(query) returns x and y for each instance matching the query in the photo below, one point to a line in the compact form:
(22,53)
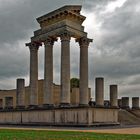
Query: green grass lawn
(60,135)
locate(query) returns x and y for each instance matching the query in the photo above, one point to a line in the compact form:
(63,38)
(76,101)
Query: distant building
(8,98)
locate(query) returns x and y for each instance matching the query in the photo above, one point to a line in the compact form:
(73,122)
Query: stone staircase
(129,117)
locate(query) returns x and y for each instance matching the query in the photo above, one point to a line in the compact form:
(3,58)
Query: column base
(114,107)
(20,107)
(99,106)
(84,105)
(137,108)
(48,106)
(9,108)
(32,107)
(120,106)
(125,107)
(64,105)
(1,108)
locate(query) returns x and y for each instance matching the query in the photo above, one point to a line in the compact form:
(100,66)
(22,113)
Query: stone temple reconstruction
(45,103)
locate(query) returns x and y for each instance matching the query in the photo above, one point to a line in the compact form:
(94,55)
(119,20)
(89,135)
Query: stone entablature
(65,22)
(67,18)
(67,12)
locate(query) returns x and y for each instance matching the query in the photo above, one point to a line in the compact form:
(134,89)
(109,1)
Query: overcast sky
(114,54)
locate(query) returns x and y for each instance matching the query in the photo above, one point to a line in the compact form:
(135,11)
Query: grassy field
(60,135)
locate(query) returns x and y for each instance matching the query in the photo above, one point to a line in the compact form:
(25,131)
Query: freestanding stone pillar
(125,102)
(33,47)
(99,92)
(135,102)
(20,93)
(84,95)
(65,69)
(48,73)
(113,96)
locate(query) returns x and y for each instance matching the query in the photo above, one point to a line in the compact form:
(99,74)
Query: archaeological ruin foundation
(43,102)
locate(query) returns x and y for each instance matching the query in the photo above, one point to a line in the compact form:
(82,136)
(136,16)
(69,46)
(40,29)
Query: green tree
(74,82)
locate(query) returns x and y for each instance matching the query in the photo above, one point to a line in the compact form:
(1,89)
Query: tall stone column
(125,102)
(20,93)
(113,95)
(65,69)
(99,92)
(84,95)
(33,47)
(48,73)
(135,103)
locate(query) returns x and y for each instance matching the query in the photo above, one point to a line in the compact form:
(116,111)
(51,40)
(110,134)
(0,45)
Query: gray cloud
(114,54)
(118,45)
(96,5)
(18,21)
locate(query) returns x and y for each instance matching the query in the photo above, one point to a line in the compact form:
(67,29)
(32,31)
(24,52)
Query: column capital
(49,41)
(84,41)
(33,46)
(65,36)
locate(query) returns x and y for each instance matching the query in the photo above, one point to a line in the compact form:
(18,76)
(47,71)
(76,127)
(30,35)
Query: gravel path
(113,130)
(119,131)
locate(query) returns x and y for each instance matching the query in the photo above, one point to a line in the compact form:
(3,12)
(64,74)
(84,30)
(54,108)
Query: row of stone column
(124,102)
(99,99)
(65,70)
(99,93)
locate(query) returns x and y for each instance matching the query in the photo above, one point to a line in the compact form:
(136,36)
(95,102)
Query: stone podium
(64,23)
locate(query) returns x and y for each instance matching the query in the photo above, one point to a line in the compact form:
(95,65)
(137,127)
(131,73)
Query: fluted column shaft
(84,95)
(33,47)
(48,72)
(20,92)
(65,68)
(113,95)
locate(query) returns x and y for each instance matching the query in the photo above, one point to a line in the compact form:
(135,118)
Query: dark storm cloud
(121,27)
(95,5)
(114,54)
(119,47)
(13,62)
(120,43)
(17,23)
(18,18)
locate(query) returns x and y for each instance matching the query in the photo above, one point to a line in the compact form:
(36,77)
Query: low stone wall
(71,116)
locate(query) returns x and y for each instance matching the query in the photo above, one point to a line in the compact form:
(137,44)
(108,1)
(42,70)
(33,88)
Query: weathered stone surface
(135,102)
(20,92)
(65,68)
(113,95)
(99,92)
(48,72)
(33,47)
(65,22)
(84,44)
(125,102)
(67,18)
(71,116)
